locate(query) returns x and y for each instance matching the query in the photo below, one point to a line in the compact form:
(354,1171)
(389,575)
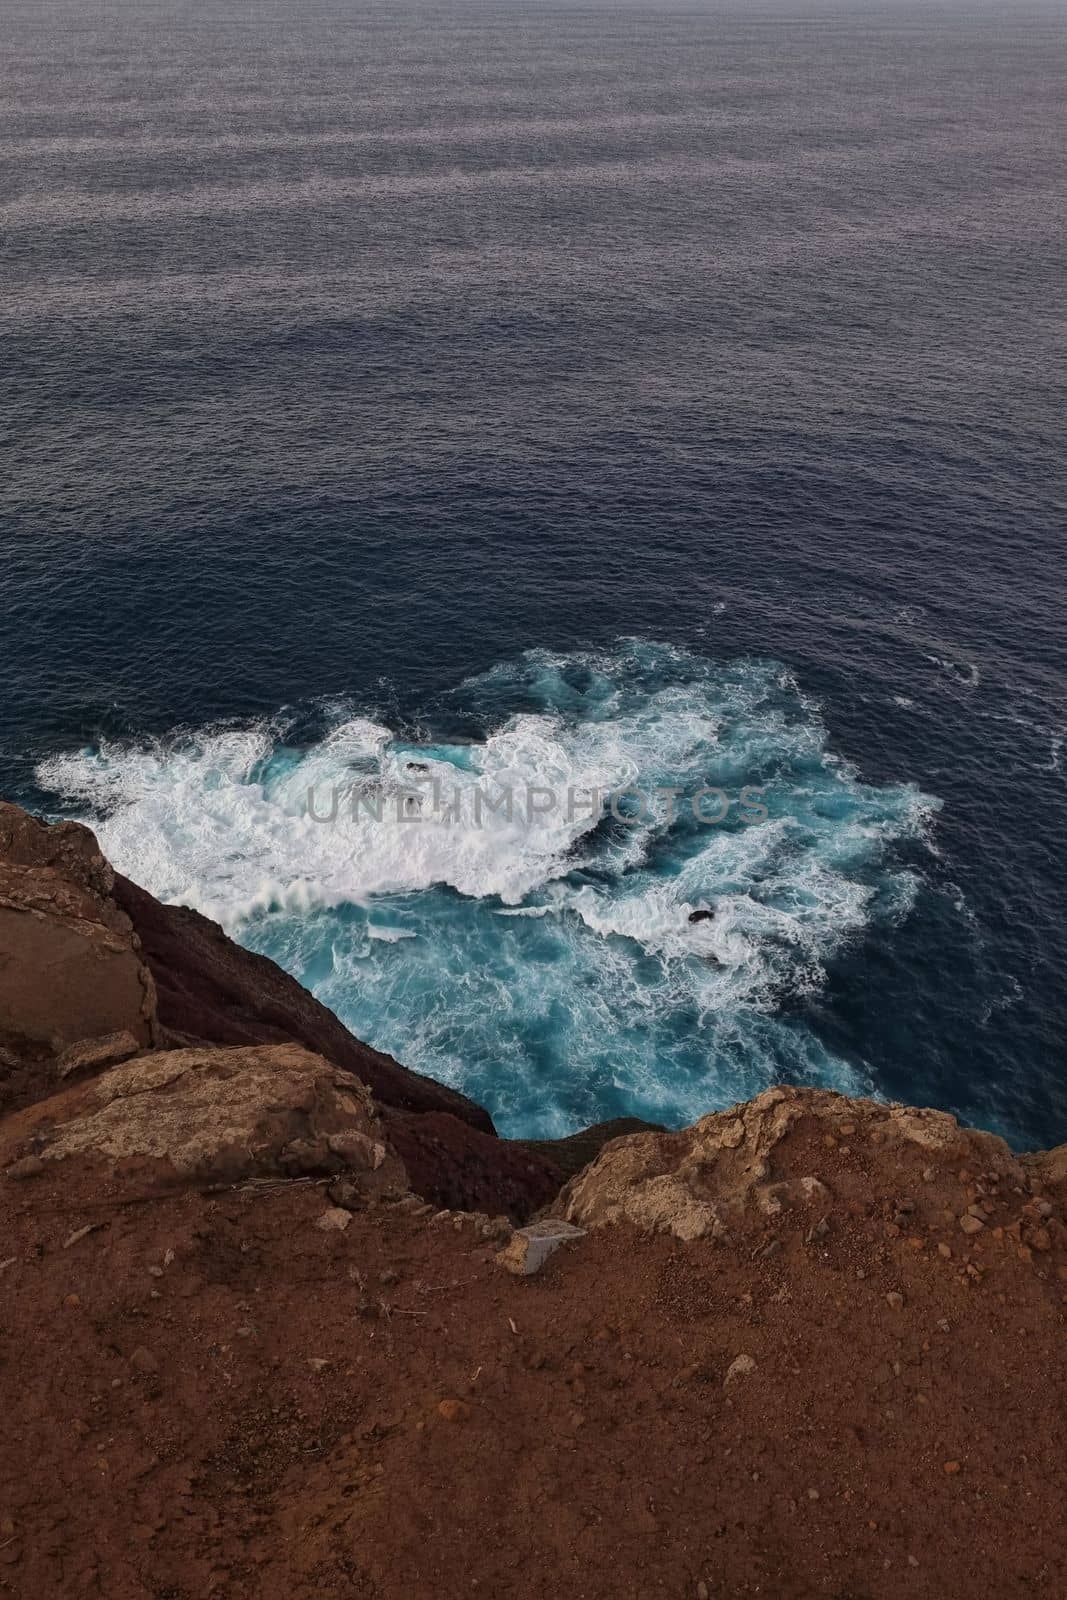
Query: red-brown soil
(169,1432)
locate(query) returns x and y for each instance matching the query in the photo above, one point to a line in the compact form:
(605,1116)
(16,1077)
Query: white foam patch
(566,981)
(229,823)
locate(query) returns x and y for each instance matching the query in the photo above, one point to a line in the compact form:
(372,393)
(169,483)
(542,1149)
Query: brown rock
(453,1410)
(335,1220)
(92,1054)
(343,1192)
(1048,1166)
(357,1150)
(73,972)
(739,1367)
(210,1114)
(27,1167)
(751,1161)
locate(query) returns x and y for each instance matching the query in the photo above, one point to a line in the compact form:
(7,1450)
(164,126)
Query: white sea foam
(966,673)
(503,952)
(221,820)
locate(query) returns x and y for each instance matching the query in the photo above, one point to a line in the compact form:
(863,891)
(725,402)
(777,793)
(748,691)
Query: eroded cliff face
(795,1154)
(96,971)
(72,974)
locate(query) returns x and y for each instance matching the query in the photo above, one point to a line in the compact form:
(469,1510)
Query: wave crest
(547,962)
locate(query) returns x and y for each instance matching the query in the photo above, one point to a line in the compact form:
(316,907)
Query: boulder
(1048,1167)
(216,1116)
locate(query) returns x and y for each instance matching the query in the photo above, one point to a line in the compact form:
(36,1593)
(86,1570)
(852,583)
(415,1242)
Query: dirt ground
(209,1395)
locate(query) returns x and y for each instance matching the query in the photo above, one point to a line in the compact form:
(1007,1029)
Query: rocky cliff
(96,971)
(277,1318)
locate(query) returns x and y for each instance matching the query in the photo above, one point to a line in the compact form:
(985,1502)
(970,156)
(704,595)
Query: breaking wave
(541,960)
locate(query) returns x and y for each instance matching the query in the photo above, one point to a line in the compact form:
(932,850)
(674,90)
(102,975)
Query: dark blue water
(669,394)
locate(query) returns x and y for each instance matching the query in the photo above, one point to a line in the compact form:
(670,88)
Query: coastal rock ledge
(790,1152)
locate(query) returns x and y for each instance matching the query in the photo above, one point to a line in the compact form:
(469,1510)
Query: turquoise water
(544,963)
(350,351)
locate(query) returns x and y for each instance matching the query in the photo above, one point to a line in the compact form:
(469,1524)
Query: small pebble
(738,1368)
(335,1220)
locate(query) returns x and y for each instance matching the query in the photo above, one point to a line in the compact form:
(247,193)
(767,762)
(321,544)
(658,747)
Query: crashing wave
(543,959)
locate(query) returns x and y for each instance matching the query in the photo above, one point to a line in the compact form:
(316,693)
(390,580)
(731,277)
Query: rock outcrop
(214,1116)
(789,1150)
(67,848)
(73,981)
(211,990)
(94,971)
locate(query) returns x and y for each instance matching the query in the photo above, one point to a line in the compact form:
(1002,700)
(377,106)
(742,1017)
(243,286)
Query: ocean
(548,397)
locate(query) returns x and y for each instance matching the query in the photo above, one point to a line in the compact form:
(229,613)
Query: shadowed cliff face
(95,970)
(71,970)
(210,988)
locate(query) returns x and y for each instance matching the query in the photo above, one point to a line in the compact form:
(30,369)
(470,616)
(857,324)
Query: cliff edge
(281,1318)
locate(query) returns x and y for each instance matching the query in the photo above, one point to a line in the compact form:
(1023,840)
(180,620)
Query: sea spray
(543,960)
